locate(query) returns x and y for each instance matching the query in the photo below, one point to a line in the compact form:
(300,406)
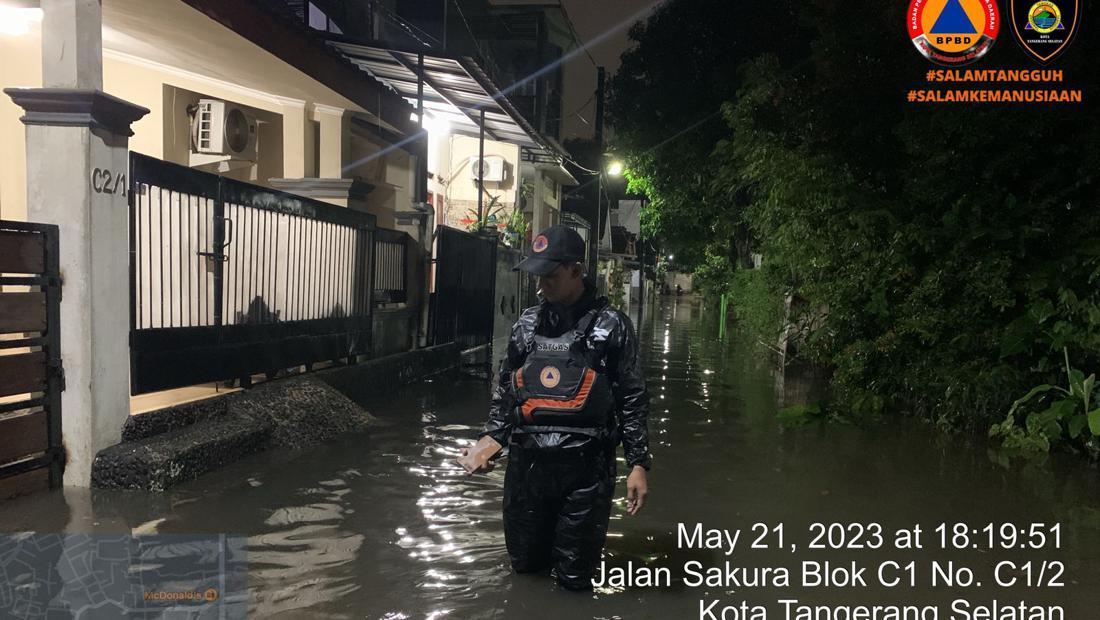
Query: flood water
(384,525)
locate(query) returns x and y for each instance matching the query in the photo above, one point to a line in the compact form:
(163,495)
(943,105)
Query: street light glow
(17,21)
(615,168)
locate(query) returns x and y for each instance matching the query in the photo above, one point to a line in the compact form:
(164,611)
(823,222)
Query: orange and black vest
(558,390)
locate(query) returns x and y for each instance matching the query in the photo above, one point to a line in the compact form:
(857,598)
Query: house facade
(501,57)
(249,172)
(168,55)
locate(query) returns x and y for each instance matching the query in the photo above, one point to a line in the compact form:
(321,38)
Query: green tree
(954,248)
(665,106)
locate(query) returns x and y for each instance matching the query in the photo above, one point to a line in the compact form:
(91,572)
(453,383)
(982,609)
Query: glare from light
(433,124)
(15,21)
(670,257)
(615,168)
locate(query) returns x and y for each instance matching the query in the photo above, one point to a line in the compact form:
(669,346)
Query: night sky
(591,19)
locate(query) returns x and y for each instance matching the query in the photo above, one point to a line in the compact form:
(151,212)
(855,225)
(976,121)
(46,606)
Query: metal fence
(31,376)
(231,279)
(391,266)
(462,309)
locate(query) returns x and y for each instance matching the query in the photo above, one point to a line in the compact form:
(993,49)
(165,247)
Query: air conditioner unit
(223,130)
(492,167)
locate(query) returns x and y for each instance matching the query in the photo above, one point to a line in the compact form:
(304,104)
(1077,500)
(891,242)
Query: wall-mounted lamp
(432,123)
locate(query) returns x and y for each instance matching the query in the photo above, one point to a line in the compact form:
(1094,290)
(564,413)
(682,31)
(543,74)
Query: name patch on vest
(553,346)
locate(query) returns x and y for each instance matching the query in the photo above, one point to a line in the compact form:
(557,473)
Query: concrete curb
(162,461)
(168,446)
(381,376)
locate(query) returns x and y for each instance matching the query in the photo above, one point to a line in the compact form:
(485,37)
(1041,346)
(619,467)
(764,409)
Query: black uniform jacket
(613,339)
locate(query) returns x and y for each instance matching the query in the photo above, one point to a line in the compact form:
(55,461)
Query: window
(319,20)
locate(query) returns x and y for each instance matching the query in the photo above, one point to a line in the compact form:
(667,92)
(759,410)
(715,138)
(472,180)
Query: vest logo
(553,346)
(1045,28)
(953,32)
(540,243)
(550,377)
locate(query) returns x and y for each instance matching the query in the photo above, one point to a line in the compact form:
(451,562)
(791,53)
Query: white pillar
(420,225)
(77,162)
(72,44)
(335,133)
(297,140)
(538,213)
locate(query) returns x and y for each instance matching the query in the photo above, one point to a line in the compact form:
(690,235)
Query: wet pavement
(384,525)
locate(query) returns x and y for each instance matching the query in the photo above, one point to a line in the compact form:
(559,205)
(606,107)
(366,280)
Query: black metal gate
(231,279)
(465,280)
(31,377)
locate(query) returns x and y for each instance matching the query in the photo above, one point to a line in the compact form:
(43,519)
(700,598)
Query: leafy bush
(1072,416)
(954,249)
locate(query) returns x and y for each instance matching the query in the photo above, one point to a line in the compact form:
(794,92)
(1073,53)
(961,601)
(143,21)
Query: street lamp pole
(601,81)
(641,261)
(599,228)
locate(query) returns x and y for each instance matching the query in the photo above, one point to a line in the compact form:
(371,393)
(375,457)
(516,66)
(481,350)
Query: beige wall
(390,172)
(176,143)
(551,199)
(21,66)
(291,141)
(165,132)
(460,193)
(544,204)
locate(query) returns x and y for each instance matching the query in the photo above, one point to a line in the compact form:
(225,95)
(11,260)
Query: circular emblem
(1044,17)
(550,377)
(540,243)
(953,32)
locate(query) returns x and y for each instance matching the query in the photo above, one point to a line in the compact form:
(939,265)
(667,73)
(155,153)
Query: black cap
(552,247)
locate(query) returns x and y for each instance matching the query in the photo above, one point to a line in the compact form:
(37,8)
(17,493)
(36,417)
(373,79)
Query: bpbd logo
(550,377)
(953,32)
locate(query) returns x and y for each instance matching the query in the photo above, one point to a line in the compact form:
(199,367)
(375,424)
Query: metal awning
(455,89)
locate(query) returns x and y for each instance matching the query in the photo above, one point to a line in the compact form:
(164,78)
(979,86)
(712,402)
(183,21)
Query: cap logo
(550,377)
(540,244)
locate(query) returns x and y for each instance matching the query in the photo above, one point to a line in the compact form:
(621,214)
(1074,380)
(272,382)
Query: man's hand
(476,460)
(636,489)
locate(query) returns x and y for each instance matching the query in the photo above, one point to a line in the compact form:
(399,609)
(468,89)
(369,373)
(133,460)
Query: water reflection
(307,553)
(384,525)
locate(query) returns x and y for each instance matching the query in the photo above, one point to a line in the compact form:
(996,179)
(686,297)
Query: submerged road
(385,525)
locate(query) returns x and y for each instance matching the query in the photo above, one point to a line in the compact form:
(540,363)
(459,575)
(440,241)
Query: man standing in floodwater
(570,390)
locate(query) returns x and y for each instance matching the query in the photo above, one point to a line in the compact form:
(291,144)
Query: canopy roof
(456,90)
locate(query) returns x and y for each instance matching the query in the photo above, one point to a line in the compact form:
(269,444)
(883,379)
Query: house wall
(303,132)
(544,204)
(551,200)
(388,170)
(295,136)
(176,143)
(460,193)
(21,66)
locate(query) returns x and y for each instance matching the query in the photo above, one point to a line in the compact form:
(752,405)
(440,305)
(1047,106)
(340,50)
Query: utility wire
(473,38)
(588,170)
(674,136)
(406,25)
(576,37)
(577,111)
